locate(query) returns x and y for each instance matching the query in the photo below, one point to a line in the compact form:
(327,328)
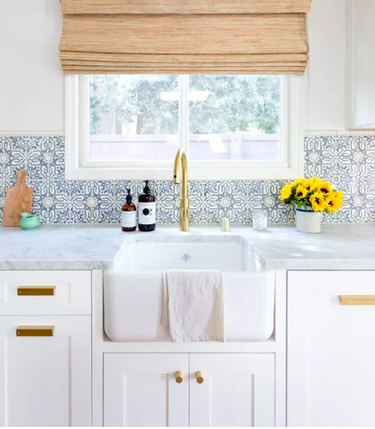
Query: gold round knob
(199,377)
(178,377)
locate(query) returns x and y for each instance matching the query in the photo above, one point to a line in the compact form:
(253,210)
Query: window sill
(197,173)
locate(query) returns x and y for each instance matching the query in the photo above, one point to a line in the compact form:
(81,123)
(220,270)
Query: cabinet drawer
(339,290)
(45,380)
(45,292)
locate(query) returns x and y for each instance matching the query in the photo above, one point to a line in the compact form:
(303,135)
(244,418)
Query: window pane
(133,117)
(235,117)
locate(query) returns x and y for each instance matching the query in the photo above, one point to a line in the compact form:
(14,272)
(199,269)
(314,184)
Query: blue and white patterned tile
(109,201)
(70,203)
(42,157)
(1,203)
(347,161)
(23,153)
(167,202)
(3,161)
(247,197)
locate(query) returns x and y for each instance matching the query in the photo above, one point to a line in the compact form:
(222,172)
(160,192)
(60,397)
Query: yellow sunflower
(325,188)
(334,201)
(318,202)
(286,192)
(301,192)
(301,181)
(339,199)
(314,192)
(314,183)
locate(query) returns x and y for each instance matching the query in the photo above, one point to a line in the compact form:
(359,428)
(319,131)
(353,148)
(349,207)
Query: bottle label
(129,219)
(146,213)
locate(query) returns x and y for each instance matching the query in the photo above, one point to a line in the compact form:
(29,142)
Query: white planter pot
(308,221)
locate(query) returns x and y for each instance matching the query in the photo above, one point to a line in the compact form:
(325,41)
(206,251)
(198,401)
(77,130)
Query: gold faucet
(180,164)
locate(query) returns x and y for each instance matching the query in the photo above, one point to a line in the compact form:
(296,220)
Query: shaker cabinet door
(45,371)
(142,390)
(361,47)
(232,390)
(331,348)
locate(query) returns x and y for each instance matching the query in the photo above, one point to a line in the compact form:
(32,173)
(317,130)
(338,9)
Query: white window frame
(78,166)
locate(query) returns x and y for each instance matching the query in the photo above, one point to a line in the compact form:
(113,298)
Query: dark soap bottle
(146,210)
(129,214)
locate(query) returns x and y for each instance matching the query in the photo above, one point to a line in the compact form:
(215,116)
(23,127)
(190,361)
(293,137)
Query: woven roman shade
(184,36)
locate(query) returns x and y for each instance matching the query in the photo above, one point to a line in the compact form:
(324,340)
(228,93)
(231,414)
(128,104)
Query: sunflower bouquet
(312,194)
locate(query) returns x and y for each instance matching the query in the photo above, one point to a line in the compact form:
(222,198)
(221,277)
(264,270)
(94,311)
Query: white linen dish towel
(193,305)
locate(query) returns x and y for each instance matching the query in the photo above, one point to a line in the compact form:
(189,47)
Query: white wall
(31,81)
(32,84)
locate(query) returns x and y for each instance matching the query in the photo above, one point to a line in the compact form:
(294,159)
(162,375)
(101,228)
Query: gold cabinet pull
(36,290)
(35,331)
(199,377)
(357,299)
(178,377)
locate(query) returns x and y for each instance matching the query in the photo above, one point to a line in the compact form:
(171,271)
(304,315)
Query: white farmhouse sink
(186,252)
(133,289)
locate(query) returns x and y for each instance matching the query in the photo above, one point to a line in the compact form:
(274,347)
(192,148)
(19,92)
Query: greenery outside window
(231,126)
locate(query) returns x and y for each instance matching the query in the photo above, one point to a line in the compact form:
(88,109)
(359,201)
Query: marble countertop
(280,247)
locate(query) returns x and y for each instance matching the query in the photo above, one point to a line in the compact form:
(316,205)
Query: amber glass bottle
(146,210)
(129,214)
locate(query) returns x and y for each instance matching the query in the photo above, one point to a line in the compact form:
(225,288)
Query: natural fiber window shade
(201,36)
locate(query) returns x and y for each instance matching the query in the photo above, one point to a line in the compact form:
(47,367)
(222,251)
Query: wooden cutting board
(17,200)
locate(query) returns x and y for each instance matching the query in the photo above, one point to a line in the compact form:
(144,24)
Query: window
(242,126)
(133,117)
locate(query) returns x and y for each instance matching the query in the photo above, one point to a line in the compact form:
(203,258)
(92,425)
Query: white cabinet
(45,380)
(45,292)
(235,390)
(141,390)
(361,64)
(45,348)
(331,348)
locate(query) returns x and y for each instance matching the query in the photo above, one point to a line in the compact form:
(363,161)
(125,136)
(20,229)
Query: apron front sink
(133,289)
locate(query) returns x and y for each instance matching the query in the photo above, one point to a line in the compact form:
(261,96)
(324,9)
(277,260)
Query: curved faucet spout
(181,169)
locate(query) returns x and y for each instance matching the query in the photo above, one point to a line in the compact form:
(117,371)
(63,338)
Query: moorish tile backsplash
(347,161)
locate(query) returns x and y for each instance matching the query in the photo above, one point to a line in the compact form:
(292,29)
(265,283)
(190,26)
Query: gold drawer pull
(199,377)
(36,290)
(357,299)
(35,331)
(178,377)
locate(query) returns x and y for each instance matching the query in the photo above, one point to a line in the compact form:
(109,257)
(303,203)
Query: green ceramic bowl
(29,221)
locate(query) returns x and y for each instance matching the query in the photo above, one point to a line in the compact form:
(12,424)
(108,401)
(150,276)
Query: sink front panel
(133,306)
